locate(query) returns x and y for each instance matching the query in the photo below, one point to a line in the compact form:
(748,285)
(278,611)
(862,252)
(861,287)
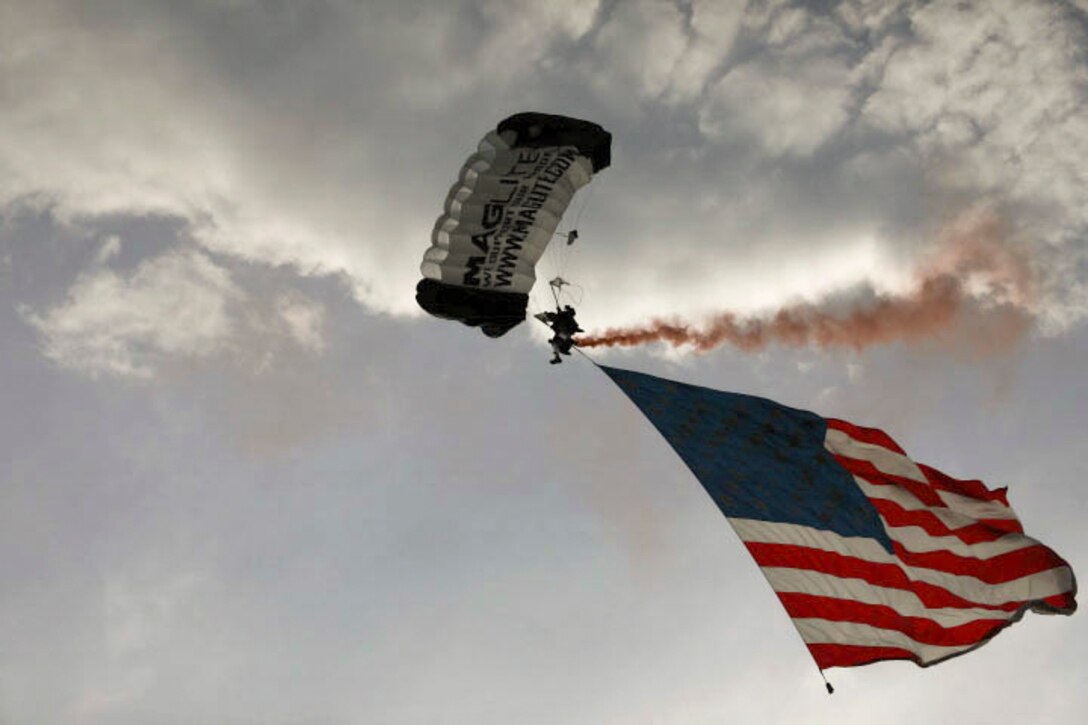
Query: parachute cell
(500,215)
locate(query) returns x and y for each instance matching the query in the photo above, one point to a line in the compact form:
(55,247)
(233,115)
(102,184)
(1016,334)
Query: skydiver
(565,328)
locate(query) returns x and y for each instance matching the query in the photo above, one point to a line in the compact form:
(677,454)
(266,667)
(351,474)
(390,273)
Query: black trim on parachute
(536,130)
(495,313)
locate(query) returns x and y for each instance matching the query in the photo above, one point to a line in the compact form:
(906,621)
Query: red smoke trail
(971,271)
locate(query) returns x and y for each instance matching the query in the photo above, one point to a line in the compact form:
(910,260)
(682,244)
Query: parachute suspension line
(571,235)
(538,300)
(582,207)
(576,298)
(557,284)
(557,255)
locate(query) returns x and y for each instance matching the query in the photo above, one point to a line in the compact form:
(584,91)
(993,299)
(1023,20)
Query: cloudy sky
(243,479)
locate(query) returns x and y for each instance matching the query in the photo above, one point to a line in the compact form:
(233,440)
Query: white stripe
(886,460)
(768,532)
(822,631)
(905,603)
(1034,586)
(895,494)
(974,508)
(951,518)
(915,539)
(897,464)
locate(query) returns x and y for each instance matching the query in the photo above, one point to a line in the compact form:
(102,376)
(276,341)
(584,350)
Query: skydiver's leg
(557,347)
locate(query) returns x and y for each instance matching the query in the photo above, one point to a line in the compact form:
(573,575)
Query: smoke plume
(974,283)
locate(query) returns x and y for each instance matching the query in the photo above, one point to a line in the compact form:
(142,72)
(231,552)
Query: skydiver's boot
(556,360)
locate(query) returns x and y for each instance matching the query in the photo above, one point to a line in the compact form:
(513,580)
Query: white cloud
(525,30)
(450,49)
(638,48)
(661,52)
(303,319)
(178,306)
(992,97)
(145,111)
(793,96)
(144,613)
(134,115)
(324,140)
(172,305)
(109,249)
(862,16)
(714,27)
(788,110)
(102,121)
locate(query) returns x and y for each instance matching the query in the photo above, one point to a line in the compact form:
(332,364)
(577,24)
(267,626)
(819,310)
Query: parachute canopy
(500,215)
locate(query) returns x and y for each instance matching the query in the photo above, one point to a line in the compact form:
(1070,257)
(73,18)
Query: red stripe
(872,474)
(996,570)
(1009,526)
(874,436)
(851,655)
(1064,603)
(920,629)
(971,489)
(884,575)
(964,487)
(895,515)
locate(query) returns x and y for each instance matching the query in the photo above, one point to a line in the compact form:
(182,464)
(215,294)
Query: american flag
(874,557)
